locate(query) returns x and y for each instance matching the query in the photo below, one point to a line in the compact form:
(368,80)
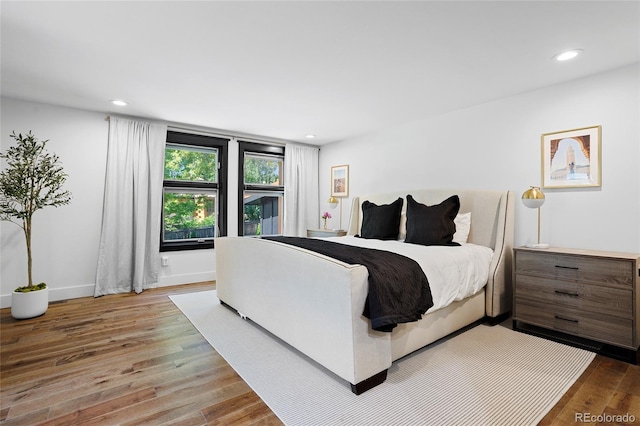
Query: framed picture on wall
(340,181)
(572,158)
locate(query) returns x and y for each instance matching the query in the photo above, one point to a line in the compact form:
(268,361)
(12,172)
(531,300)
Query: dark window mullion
(196,185)
(263,188)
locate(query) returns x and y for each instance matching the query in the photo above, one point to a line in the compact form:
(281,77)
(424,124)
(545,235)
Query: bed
(315,302)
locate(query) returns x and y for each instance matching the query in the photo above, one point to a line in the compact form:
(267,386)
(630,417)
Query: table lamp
(534,198)
(333,203)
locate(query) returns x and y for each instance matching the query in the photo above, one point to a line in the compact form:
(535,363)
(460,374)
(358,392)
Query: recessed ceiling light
(118,102)
(569,54)
(310,136)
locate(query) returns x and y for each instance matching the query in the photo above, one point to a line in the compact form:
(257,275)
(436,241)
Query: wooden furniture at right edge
(581,297)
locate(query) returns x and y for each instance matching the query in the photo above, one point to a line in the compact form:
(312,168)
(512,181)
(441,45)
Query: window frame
(201,141)
(255,148)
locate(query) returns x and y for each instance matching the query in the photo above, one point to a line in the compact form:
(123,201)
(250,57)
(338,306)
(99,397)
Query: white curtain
(301,208)
(128,256)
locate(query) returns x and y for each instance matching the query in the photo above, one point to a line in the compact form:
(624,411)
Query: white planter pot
(29,305)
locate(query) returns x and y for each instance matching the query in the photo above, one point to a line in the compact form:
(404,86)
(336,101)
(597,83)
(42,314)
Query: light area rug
(484,376)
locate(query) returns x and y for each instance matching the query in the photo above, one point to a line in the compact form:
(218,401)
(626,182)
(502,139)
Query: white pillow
(463,226)
(403,226)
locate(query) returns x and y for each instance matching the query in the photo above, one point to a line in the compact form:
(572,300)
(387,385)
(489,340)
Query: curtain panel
(301,206)
(128,255)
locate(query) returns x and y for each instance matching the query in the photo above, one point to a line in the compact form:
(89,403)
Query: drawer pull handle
(566,319)
(574,268)
(566,293)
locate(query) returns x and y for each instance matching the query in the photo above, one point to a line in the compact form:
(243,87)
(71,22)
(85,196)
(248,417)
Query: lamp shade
(533,197)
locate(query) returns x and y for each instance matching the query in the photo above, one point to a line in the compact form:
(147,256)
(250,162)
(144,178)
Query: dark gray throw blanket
(399,291)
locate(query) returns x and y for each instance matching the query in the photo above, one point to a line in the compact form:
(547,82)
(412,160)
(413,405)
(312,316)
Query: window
(261,193)
(194,197)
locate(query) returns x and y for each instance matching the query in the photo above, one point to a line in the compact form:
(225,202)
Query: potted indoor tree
(33,179)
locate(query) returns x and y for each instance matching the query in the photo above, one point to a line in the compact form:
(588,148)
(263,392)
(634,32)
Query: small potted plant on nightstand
(32,180)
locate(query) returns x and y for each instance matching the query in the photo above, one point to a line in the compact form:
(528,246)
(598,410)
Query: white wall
(65,239)
(497,146)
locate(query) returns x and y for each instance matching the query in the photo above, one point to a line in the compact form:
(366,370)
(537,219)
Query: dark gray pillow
(432,225)
(381,222)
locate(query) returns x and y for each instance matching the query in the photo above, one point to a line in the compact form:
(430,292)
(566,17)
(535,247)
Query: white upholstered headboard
(492,216)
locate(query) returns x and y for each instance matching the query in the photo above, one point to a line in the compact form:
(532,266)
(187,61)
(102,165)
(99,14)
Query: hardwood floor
(122,359)
(135,359)
(607,387)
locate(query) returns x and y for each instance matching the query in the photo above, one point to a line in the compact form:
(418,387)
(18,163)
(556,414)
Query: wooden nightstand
(326,233)
(590,295)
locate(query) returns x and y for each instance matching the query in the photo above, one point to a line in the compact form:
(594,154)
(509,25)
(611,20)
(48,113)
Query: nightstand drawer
(589,298)
(602,271)
(599,327)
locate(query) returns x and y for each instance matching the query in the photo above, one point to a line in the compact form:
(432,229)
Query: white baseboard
(186,278)
(71,292)
(56,294)
(87,290)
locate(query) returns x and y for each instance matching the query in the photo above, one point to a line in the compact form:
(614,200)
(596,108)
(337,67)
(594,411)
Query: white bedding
(467,265)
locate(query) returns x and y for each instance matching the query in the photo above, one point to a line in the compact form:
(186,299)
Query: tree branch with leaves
(33,179)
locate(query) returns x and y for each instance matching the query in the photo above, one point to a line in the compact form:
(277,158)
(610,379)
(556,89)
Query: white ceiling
(284,69)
